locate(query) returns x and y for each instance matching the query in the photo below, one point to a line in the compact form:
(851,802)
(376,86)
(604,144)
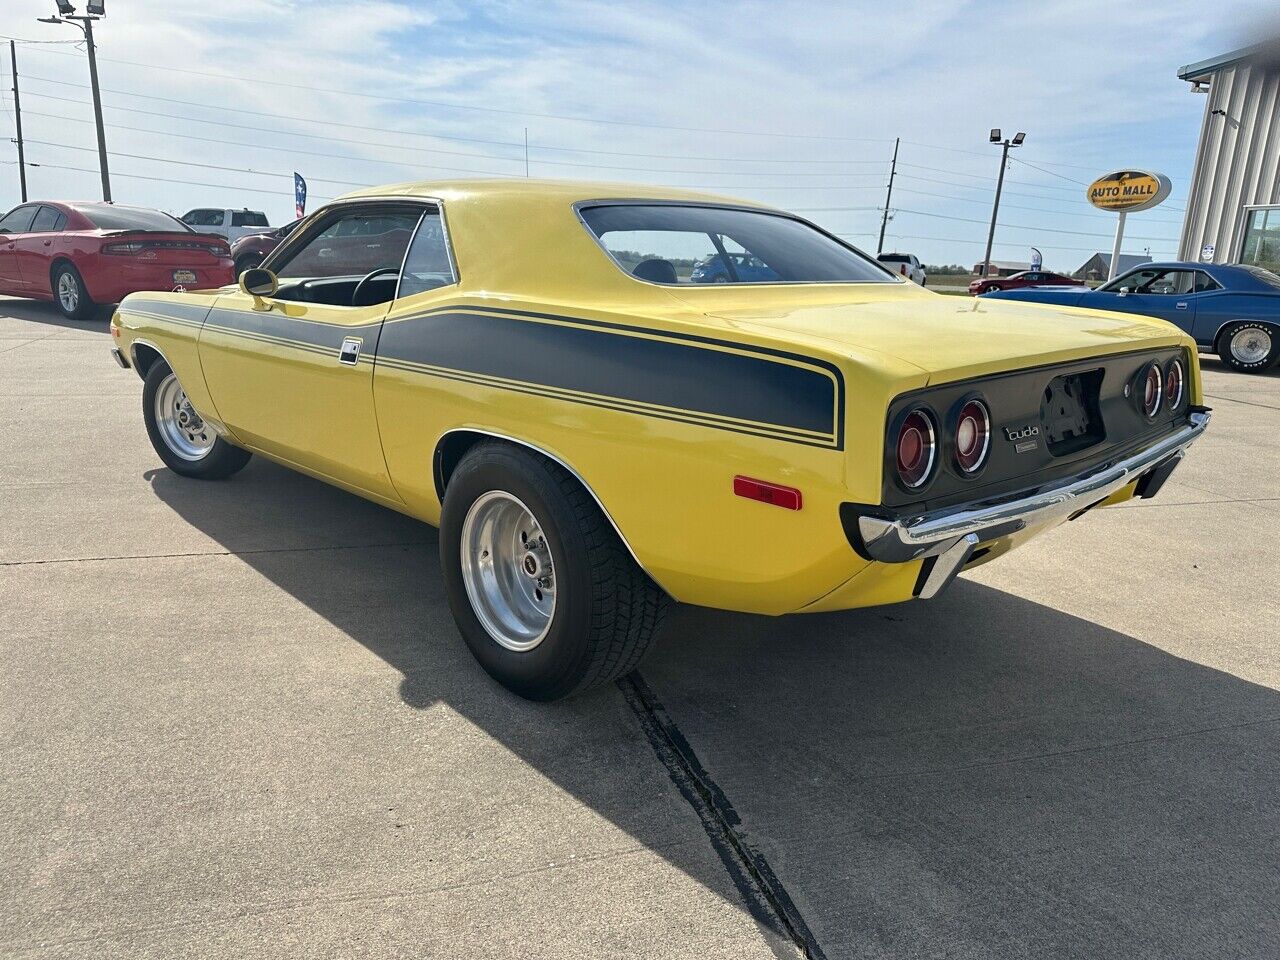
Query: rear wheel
(185,442)
(247,263)
(1249,346)
(70,294)
(545,594)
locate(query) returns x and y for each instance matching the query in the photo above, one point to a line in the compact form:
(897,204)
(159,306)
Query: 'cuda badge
(1021,433)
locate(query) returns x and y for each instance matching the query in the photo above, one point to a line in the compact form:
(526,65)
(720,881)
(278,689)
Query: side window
(353,243)
(18,221)
(1170,283)
(48,220)
(248,218)
(203,218)
(1134,282)
(1204,283)
(427,265)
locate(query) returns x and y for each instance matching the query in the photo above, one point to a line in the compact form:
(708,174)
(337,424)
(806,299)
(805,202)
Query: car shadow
(46,313)
(977,776)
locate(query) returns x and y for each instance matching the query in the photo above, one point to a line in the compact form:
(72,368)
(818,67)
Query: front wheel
(70,293)
(543,590)
(185,442)
(1248,346)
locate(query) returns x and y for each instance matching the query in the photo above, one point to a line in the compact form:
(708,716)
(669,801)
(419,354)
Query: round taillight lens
(917,449)
(1174,386)
(1151,391)
(973,436)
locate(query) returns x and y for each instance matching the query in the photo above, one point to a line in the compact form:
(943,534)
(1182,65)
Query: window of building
(1262,239)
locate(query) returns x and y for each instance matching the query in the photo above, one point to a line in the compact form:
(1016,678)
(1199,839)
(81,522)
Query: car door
(291,374)
(34,248)
(12,228)
(1169,295)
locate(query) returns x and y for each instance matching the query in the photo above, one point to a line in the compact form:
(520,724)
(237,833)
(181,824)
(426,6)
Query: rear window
(893,258)
(247,218)
(132,218)
(1266,276)
(687,244)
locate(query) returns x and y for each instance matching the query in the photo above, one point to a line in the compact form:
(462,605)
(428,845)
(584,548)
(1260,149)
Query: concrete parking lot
(236,720)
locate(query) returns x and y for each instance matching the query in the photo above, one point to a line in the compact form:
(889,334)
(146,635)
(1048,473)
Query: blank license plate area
(1070,417)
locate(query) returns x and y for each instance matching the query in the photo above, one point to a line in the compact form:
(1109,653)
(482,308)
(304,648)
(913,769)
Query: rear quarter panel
(1214,310)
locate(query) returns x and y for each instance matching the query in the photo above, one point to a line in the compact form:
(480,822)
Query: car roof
(552,191)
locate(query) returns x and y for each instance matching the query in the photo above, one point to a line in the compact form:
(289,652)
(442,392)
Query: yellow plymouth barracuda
(532,367)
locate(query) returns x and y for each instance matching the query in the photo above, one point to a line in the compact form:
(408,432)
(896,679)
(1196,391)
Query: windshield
(132,218)
(688,244)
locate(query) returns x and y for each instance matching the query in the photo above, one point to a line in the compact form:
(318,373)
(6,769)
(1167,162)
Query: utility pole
(884,219)
(995,209)
(17,117)
(93,11)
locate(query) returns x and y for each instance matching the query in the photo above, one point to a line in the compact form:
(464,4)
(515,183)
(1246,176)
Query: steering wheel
(368,277)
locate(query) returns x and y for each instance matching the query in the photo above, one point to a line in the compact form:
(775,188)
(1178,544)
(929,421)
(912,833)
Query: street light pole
(995,208)
(94,11)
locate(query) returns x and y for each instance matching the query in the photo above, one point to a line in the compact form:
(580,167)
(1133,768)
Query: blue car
(1230,309)
(747,268)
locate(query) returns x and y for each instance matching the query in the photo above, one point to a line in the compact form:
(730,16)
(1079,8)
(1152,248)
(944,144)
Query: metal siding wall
(1238,160)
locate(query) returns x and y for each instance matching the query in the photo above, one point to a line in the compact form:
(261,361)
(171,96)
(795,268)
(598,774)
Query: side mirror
(257,283)
(1124,291)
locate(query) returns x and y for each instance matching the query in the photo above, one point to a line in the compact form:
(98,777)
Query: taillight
(916,448)
(972,436)
(1174,386)
(1152,384)
(123,249)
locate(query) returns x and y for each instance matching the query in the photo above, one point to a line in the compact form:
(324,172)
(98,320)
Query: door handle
(1181,305)
(349,352)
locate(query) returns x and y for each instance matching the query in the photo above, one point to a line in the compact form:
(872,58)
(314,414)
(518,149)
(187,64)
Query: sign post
(1125,192)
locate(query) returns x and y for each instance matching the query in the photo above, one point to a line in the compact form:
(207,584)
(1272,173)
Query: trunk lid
(949,338)
(166,248)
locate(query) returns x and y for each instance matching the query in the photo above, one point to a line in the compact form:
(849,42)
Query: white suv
(232,224)
(905,264)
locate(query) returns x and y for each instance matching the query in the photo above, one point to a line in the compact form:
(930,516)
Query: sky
(794,104)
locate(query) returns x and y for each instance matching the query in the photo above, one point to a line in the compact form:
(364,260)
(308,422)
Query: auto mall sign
(1129,191)
(1125,192)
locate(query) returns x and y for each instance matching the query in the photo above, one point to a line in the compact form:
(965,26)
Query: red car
(1027,278)
(80,255)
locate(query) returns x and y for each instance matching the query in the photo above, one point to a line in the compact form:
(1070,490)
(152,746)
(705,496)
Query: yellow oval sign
(1127,191)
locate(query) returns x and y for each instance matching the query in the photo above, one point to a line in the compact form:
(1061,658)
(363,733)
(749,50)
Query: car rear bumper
(112,282)
(949,536)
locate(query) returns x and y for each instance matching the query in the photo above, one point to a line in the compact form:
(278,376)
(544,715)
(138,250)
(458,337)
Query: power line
(185,183)
(1017,226)
(498,110)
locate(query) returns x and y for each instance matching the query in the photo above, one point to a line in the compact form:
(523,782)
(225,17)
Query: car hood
(949,338)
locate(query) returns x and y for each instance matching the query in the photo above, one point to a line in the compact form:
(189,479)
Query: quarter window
(427,265)
(686,244)
(48,220)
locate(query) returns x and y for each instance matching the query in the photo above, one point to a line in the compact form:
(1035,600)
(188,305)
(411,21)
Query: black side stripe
(564,355)
(667,375)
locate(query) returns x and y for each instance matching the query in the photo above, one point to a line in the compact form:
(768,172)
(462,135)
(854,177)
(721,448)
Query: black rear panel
(1047,423)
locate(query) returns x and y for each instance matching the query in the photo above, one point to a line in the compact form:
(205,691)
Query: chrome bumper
(118,356)
(950,534)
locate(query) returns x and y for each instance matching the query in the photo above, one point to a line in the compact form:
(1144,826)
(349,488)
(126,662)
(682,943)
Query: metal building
(1233,209)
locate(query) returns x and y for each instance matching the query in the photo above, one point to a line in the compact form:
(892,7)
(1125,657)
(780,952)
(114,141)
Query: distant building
(1098,267)
(1233,208)
(1001,268)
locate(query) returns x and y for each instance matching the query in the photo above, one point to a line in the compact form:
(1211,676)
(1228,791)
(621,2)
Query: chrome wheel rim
(508,571)
(68,292)
(183,430)
(1251,345)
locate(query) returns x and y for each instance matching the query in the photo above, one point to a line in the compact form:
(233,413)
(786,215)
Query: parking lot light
(94,10)
(995,208)
(65,8)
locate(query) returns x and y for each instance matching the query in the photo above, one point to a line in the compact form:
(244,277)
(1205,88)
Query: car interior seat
(655,270)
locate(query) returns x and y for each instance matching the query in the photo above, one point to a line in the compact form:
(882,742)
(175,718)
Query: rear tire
(187,445)
(1247,346)
(70,294)
(543,590)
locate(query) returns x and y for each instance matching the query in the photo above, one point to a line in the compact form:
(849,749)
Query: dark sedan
(251,249)
(1027,278)
(1230,309)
